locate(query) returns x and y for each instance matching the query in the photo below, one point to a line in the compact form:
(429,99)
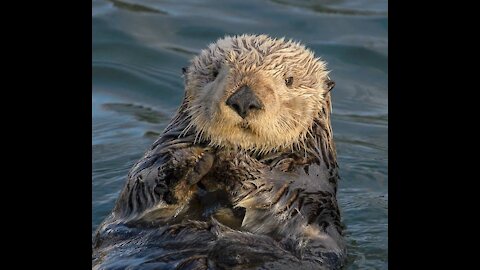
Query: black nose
(244,101)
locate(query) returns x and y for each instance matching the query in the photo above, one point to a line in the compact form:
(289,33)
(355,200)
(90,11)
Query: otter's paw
(201,168)
(191,164)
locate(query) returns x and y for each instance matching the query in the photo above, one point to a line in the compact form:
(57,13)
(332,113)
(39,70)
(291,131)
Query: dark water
(139,48)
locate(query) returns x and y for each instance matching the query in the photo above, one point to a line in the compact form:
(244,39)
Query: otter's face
(256,93)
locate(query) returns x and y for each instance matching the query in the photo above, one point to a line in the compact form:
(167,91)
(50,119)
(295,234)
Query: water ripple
(329,7)
(136,7)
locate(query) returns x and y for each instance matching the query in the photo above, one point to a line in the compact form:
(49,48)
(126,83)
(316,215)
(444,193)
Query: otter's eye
(289,81)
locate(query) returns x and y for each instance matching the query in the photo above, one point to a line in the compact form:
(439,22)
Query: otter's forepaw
(191,164)
(201,168)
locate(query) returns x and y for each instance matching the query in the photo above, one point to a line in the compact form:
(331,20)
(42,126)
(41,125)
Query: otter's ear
(184,74)
(330,84)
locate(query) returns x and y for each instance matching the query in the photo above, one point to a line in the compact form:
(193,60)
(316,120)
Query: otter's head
(255,93)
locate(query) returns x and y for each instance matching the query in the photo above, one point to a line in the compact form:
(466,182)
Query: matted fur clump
(244,176)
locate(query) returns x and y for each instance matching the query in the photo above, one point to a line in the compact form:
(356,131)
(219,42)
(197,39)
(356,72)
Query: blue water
(139,48)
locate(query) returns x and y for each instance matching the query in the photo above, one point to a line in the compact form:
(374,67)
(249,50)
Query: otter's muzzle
(244,101)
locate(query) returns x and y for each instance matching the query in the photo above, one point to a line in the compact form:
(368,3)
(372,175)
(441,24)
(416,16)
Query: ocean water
(139,48)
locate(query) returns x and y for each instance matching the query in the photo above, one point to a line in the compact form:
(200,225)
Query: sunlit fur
(261,63)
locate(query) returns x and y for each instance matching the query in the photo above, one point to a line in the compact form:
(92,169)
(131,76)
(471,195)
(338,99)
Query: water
(139,48)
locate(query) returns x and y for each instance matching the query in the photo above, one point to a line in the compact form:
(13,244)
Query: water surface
(139,48)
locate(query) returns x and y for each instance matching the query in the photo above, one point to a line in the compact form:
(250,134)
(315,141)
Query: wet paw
(191,164)
(202,167)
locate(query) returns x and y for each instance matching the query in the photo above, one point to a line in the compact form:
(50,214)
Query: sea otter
(244,176)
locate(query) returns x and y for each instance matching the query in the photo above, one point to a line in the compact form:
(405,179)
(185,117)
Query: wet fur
(203,198)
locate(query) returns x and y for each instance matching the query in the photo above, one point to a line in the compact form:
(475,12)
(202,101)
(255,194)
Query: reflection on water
(139,48)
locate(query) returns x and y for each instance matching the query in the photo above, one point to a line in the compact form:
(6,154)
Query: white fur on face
(262,64)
